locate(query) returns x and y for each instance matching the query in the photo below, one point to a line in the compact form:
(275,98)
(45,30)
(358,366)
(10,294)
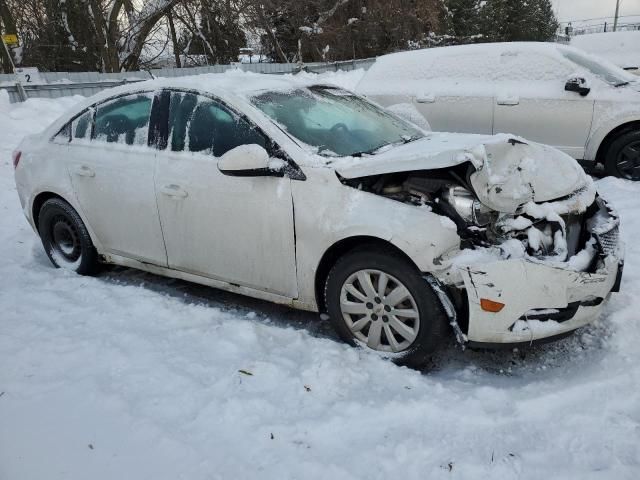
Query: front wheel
(65,238)
(623,157)
(380,300)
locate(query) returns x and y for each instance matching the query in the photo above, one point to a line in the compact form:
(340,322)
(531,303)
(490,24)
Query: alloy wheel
(379,310)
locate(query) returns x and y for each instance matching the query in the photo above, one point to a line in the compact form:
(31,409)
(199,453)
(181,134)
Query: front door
(235,229)
(533,104)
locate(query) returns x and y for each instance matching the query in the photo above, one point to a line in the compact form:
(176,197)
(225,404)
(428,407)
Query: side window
(64,135)
(530,65)
(123,120)
(461,66)
(81,126)
(199,124)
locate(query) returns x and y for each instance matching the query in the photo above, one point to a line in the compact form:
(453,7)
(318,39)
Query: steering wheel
(339,127)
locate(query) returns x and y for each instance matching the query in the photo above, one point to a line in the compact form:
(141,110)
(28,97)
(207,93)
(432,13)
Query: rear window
(123,120)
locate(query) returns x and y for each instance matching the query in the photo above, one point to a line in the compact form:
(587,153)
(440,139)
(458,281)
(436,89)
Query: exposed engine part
(447,193)
(469,207)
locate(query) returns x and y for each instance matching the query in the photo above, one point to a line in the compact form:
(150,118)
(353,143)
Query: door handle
(508,100)
(425,98)
(84,171)
(174,191)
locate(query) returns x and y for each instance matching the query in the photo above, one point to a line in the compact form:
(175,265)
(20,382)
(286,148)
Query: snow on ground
(620,48)
(130,375)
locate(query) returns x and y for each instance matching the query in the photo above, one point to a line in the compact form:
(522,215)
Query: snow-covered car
(311,196)
(548,93)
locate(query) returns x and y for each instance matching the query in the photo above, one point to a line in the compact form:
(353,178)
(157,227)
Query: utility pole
(615,19)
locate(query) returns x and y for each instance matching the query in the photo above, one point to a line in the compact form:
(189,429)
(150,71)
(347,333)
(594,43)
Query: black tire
(65,238)
(623,156)
(432,328)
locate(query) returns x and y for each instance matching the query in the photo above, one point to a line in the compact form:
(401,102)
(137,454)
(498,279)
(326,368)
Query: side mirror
(247,161)
(577,84)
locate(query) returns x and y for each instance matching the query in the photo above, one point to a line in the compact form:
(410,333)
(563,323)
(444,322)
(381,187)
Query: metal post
(615,19)
(6,49)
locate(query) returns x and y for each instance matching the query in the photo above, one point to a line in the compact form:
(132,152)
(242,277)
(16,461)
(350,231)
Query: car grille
(609,241)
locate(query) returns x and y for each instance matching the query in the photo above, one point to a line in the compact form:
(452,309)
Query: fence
(604,27)
(64,84)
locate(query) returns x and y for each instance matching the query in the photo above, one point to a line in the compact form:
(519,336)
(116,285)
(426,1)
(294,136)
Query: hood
(509,171)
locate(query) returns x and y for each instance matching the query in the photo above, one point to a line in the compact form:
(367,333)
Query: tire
(623,156)
(65,238)
(367,309)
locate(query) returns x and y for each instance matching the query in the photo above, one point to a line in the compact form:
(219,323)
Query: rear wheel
(381,301)
(623,157)
(65,238)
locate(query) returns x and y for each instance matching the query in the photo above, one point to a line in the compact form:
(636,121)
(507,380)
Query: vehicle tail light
(16,158)
(491,305)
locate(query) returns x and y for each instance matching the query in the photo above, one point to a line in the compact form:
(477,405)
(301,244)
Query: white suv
(545,92)
(311,196)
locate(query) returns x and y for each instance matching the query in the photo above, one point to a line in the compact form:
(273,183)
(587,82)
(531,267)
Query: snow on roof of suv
(398,72)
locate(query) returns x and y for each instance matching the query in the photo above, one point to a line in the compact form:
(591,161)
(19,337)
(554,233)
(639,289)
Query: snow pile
(129,375)
(620,48)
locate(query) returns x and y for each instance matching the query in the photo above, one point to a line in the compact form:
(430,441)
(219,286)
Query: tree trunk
(174,39)
(267,28)
(135,44)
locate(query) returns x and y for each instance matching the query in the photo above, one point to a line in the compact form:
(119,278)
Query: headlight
(469,207)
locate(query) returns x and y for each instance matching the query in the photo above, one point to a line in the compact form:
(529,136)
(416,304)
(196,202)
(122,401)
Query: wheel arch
(340,248)
(39,201)
(41,197)
(610,137)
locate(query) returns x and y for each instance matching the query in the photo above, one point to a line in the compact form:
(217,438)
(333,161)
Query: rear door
(531,102)
(112,171)
(457,94)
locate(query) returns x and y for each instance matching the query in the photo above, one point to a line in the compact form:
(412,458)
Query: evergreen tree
(463,18)
(518,20)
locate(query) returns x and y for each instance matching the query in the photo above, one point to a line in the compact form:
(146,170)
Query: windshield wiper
(370,151)
(621,84)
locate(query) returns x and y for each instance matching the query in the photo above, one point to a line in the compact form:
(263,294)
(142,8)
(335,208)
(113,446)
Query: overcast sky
(585,9)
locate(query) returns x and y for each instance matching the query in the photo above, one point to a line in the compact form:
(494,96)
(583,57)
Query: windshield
(609,74)
(335,121)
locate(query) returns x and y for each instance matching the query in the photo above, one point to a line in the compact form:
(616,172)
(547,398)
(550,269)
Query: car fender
(327,212)
(607,117)
(36,175)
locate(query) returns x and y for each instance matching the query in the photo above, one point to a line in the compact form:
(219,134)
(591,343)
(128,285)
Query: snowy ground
(129,375)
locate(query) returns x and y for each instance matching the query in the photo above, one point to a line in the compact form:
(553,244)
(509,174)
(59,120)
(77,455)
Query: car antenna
(150,74)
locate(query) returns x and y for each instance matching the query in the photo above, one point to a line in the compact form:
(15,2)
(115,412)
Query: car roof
(405,70)
(233,86)
(474,48)
(232,82)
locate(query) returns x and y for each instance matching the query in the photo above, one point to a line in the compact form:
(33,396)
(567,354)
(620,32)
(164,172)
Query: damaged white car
(312,196)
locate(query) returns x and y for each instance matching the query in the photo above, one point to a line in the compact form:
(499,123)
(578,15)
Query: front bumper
(542,300)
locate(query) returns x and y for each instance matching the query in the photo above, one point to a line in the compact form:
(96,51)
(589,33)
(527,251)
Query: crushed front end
(524,298)
(539,249)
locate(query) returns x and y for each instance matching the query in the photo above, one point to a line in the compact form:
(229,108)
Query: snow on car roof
(402,72)
(232,82)
(229,86)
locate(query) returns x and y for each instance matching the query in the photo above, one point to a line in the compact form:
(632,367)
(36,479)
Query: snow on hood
(510,171)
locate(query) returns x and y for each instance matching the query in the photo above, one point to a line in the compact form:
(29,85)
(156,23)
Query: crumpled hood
(510,171)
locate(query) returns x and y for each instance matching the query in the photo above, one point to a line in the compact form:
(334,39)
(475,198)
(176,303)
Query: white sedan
(545,92)
(311,196)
